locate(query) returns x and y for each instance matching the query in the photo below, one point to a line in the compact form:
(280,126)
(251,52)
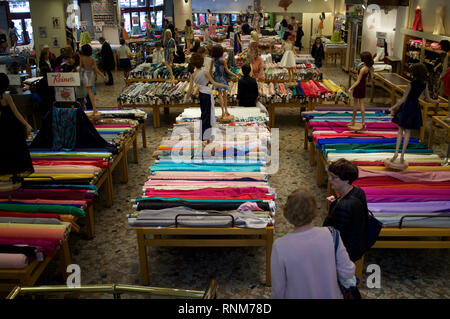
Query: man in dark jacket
(108,62)
(349,213)
(247,88)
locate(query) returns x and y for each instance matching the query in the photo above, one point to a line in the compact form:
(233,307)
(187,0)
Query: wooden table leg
(109,190)
(156,120)
(124,166)
(135,150)
(320,169)
(312,154)
(66,259)
(166,110)
(431,135)
(144,136)
(90,225)
(269,242)
(143,257)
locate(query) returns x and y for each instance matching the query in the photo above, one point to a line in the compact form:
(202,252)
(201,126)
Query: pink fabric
(408,191)
(13,261)
(249,206)
(409,176)
(248,192)
(48,247)
(112,126)
(342,126)
(352,135)
(190,183)
(304,266)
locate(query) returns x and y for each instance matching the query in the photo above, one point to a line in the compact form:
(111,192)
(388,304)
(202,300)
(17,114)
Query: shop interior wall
(299,6)
(327,27)
(429,14)
(86,15)
(41,16)
(379,21)
(3,19)
(183,11)
(222,5)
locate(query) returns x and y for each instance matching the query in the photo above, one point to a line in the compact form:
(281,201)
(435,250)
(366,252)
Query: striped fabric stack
(228,178)
(422,189)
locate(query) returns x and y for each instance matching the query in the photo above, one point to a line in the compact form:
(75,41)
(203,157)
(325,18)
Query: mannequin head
(366,57)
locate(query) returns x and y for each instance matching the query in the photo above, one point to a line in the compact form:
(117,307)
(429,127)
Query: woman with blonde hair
(305,263)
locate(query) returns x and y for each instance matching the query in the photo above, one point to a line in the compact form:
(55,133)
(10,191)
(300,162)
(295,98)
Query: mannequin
(322,19)
(439,24)
(212,21)
(417,25)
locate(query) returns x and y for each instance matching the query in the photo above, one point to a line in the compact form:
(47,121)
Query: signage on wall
(99,26)
(63,79)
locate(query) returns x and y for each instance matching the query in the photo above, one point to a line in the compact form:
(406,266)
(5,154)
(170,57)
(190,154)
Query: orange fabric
(41,233)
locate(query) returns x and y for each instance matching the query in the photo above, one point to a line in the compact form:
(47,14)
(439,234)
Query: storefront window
(127,21)
(142,20)
(158,3)
(135,11)
(159,18)
(19,7)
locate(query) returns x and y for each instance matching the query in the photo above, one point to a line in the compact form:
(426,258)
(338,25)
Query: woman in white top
(124,59)
(158,54)
(202,78)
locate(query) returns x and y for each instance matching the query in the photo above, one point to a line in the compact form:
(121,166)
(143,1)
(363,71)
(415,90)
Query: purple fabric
(345,108)
(48,247)
(342,126)
(406,207)
(405,198)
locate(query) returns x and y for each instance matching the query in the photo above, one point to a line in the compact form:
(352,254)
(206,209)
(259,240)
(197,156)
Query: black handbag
(372,230)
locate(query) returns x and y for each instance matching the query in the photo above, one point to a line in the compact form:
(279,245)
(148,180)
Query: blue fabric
(204,167)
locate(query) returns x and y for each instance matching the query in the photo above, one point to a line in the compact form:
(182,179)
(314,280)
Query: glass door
(127,21)
(19,27)
(29,29)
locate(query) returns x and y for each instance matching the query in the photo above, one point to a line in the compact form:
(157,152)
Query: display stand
(396,165)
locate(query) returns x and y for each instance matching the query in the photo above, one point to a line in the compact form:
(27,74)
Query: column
(182,10)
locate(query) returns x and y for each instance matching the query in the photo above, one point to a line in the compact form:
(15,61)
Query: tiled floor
(112,256)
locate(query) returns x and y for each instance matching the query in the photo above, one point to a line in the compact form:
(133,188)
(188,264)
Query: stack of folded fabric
(422,189)
(228,178)
(302,72)
(159,71)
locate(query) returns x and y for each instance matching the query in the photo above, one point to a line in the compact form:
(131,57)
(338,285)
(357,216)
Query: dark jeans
(205,107)
(110,77)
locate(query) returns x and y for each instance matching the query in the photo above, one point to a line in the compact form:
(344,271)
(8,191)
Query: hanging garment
(439,24)
(417,25)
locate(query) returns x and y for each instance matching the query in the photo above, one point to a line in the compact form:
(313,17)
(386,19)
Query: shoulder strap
(335,234)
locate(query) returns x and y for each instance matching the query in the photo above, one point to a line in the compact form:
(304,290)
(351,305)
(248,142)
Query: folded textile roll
(13,261)
(57,209)
(219,206)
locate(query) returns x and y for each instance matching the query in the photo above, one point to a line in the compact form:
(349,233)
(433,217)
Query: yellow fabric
(46,226)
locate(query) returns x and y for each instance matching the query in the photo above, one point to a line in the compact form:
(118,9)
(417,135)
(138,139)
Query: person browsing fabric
(107,56)
(247,88)
(304,264)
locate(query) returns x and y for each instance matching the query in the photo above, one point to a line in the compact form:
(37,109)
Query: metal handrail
(117,289)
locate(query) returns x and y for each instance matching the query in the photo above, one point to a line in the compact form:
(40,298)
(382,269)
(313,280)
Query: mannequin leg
(405,145)
(397,146)
(225,101)
(92,98)
(361,105)
(221,104)
(355,110)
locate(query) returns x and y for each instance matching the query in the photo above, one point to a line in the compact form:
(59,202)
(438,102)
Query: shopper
(188,35)
(304,264)
(220,76)
(348,213)
(69,65)
(257,65)
(108,62)
(282,29)
(158,54)
(300,34)
(318,52)
(88,69)
(247,88)
(45,64)
(124,59)
(13,37)
(3,42)
(202,79)
(407,112)
(196,46)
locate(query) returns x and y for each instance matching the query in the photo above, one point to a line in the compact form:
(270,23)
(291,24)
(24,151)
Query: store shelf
(424,35)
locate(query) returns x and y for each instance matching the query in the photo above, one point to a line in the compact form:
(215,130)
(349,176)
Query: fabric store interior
(211,149)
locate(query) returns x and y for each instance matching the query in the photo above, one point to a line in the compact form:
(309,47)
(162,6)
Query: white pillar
(182,10)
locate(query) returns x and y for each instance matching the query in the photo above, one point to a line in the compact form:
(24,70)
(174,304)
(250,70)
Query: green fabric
(419,148)
(85,38)
(42,209)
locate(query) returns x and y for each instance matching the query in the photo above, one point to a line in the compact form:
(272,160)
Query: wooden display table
(264,238)
(342,52)
(9,278)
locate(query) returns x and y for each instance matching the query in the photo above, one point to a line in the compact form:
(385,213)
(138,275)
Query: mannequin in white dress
(439,24)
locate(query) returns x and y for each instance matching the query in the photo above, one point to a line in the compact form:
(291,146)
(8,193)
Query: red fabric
(446,79)
(216,193)
(386,180)
(48,247)
(323,90)
(98,162)
(28,215)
